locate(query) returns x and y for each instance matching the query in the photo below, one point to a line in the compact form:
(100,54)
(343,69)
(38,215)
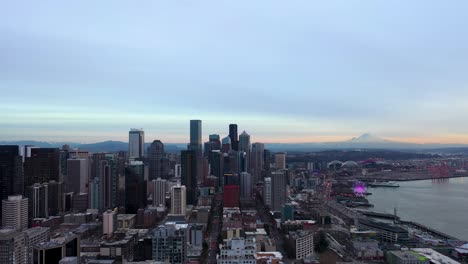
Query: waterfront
(440,204)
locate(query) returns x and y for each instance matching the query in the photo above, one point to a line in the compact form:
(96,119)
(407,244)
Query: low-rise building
(238,251)
(300,243)
(406,257)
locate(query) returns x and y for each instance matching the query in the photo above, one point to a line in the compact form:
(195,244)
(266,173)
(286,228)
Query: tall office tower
(267,192)
(37,195)
(266,160)
(244,145)
(216,162)
(54,197)
(206,149)
(155,160)
(178,171)
(278,190)
(159,192)
(42,166)
(195,135)
(11,172)
(12,247)
(94,193)
(233,136)
(189,174)
(32,237)
(77,176)
(109,222)
(215,142)
(280,160)
(170,243)
(178,200)
(64,155)
(135,187)
(26,151)
(232,162)
(226,145)
(256,162)
(15,212)
(136,144)
(108,168)
(246,185)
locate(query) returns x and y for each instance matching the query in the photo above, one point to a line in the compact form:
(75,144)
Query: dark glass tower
(189,174)
(42,166)
(233,136)
(11,172)
(155,160)
(195,135)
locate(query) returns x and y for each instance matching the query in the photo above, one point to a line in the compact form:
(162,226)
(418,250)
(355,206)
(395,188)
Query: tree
(322,243)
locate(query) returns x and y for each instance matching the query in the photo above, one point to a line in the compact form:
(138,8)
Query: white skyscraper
(136,142)
(159,192)
(15,212)
(178,200)
(109,222)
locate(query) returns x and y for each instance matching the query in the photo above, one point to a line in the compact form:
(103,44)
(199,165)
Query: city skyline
(288,72)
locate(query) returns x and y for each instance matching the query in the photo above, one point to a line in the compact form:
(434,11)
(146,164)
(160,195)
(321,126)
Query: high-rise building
(216,162)
(109,222)
(155,160)
(215,142)
(178,200)
(38,205)
(266,160)
(107,168)
(11,172)
(12,247)
(178,171)
(278,190)
(189,174)
(77,176)
(26,151)
(233,136)
(32,237)
(246,187)
(226,145)
(256,161)
(267,192)
(159,192)
(136,144)
(135,187)
(280,160)
(195,135)
(15,212)
(42,166)
(170,243)
(244,145)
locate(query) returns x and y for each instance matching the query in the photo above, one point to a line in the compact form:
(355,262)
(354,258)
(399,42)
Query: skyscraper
(155,160)
(257,161)
(38,199)
(267,192)
(178,200)
(135,187)
(189,174)
(12,247)
(244,145)
(226,145)
(136,142)
(216,162)
(77,176)
(280,160)
(195,135)
(159,192)
(109,222)
(11,172)
(233,136)
(42,166)
(215,142)
(15,212)
(278,190)
(246,185)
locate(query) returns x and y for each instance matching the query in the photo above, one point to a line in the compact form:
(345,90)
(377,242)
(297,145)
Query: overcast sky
(285,71)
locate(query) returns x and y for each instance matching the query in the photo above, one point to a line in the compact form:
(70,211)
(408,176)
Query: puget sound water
(441,204)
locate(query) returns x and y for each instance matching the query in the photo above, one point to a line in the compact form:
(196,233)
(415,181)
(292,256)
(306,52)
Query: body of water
(440,204)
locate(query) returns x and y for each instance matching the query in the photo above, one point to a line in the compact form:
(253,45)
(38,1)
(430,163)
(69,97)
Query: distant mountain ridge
(365,141)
